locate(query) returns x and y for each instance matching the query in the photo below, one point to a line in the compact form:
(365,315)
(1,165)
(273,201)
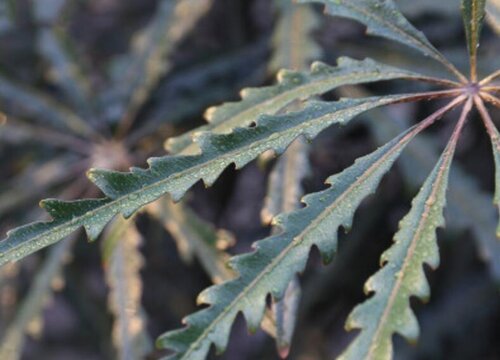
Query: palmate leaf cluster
(284,116)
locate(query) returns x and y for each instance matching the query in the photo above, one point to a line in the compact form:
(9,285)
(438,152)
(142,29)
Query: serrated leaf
(65,71)
(291,86)
(473,14)
(195,237)
(152,48)
(284,189)
(293,45)
(294,48)
(269,269)
(383,18)
(55,47)
(493,14)
(20,100)
(415,244)
(495,145)
(285,312)
(33,181)
(35,300)
(122,265)
(127,192)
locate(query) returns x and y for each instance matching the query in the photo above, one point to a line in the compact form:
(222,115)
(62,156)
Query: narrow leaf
(128,192)
(195,237)
(276,260)
(469,207)
(285,312)
(402,276)
(122,265)
(291,86)
(293,45)
(383,18)
(495,145)
(55,47)
(151,51)
(473,14)
(35,300)
(23,101)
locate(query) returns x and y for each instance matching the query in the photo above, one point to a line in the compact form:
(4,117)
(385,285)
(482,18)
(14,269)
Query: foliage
(280,119)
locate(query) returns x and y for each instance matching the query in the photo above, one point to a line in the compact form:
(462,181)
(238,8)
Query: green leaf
(122,265)
(493,14)
(495,145)
(127,192)
(275,261)
(285,312)
(402,276)
(195,237)
(469,207)
(383,18)
(20,100)
(291,86)
(284,189)
(293,48)
(473,14)
(141,72)
(37,298)
(55,46)
(293,45)
(33,181)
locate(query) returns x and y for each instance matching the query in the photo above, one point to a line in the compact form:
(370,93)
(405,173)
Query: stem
(490,78)
(494,89)
(487,121)
(430,95)
(490,98)
(461,122)
(440,81)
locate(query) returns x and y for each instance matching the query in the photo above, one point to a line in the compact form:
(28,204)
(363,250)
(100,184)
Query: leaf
(285,312)
(285,183)
(382,18)
(495,145)
(292,85)
(402,275)
(179,98)
(277,259)
(54,45)
(293,46)
(127,192)
(195,237)
(122,265)
(35,300)
(473,14)
(468,206)
(33,181)
(65,70)
(152,48)
(23,101)
(493,14)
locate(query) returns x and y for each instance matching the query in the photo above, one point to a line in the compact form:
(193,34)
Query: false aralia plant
(277,118)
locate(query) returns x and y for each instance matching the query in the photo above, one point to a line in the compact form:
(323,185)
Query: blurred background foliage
(103,83)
